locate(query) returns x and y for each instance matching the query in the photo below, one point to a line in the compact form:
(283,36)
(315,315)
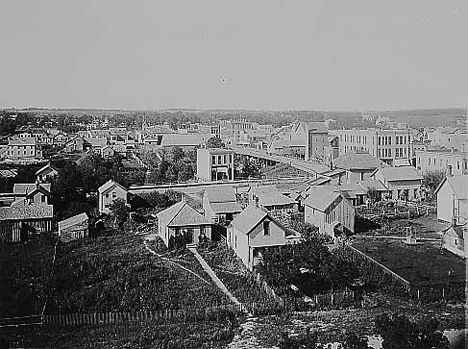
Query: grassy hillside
(116,273)
(24,272)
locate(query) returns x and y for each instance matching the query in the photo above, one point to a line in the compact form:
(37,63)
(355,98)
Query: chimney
(449,170)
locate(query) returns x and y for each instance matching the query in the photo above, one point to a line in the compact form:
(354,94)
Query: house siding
(113,193)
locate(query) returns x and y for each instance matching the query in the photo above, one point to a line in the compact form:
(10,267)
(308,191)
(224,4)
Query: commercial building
(215,164)
(390,146)
(451,161)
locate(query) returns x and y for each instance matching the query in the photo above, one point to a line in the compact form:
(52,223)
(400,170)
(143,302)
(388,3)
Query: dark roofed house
(402,182)
(181,225)
(220,205)
(254,230)
(73,228)
(358,166)
(270,198)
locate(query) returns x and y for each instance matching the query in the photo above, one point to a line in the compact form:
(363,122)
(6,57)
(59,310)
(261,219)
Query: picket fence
(105,318)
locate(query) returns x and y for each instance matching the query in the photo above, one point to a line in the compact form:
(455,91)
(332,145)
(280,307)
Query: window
(235,241)
(266,228)
(107,196)
(114,195)
(390,140)
(213,160)
(458,165)
(42,198)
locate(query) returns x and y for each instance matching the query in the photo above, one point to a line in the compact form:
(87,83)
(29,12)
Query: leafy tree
(172,173)
(120,211)
(432,179)
(177,154)
(373,194)
(156,200)
(249,169)
(186,172)
(215,142)
(352,341)
(398,332)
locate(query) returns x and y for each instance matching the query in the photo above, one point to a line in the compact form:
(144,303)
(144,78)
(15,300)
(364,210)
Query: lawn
(24,272)
(116,273)
(232,272)
(164,335)
(423,264)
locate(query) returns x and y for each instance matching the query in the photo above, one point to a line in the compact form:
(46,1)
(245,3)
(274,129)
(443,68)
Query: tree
(120,211)
(249,169)
(285,265)
(177,154)
(352,341)
(373,194)
(215,142)
(172,173)
(185,172)
(432,179)
(398,332)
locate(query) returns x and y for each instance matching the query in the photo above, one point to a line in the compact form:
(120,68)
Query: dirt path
(213,276)
(246,339)
(174,263)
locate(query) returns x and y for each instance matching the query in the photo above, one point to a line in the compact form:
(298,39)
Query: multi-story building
(317,140)
(22,148)
(215,164)
(451,161)
(390,146)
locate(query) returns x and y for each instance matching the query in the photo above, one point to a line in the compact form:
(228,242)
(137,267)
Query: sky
(275,55)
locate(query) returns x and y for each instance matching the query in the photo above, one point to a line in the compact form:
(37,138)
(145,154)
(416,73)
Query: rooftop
(321,198)
(219,194)
(403,173)
(181,214)
(69,222)
(360,161)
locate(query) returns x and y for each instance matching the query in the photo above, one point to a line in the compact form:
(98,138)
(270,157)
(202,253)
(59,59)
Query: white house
(402,182)
(108,192)
(46,173)
(452,200)
(329,211)
(76,227)
(253,230)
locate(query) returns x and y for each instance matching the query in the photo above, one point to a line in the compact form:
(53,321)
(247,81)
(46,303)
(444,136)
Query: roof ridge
(178,211)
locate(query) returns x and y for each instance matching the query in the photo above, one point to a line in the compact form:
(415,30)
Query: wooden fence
(105,318)
(405,283)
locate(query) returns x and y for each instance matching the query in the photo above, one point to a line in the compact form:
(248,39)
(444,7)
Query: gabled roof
(69,222)
(225,207)
(181,214)
(361,161)
(248,219)
(459,185)
(403,173)
(367,184)
(458,230)
(220,194)
(108,185)
(321,198)
(21,209)
(48,166)
(274,199)
(24,188)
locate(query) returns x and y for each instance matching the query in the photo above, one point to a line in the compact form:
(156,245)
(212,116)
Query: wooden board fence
(105,318)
